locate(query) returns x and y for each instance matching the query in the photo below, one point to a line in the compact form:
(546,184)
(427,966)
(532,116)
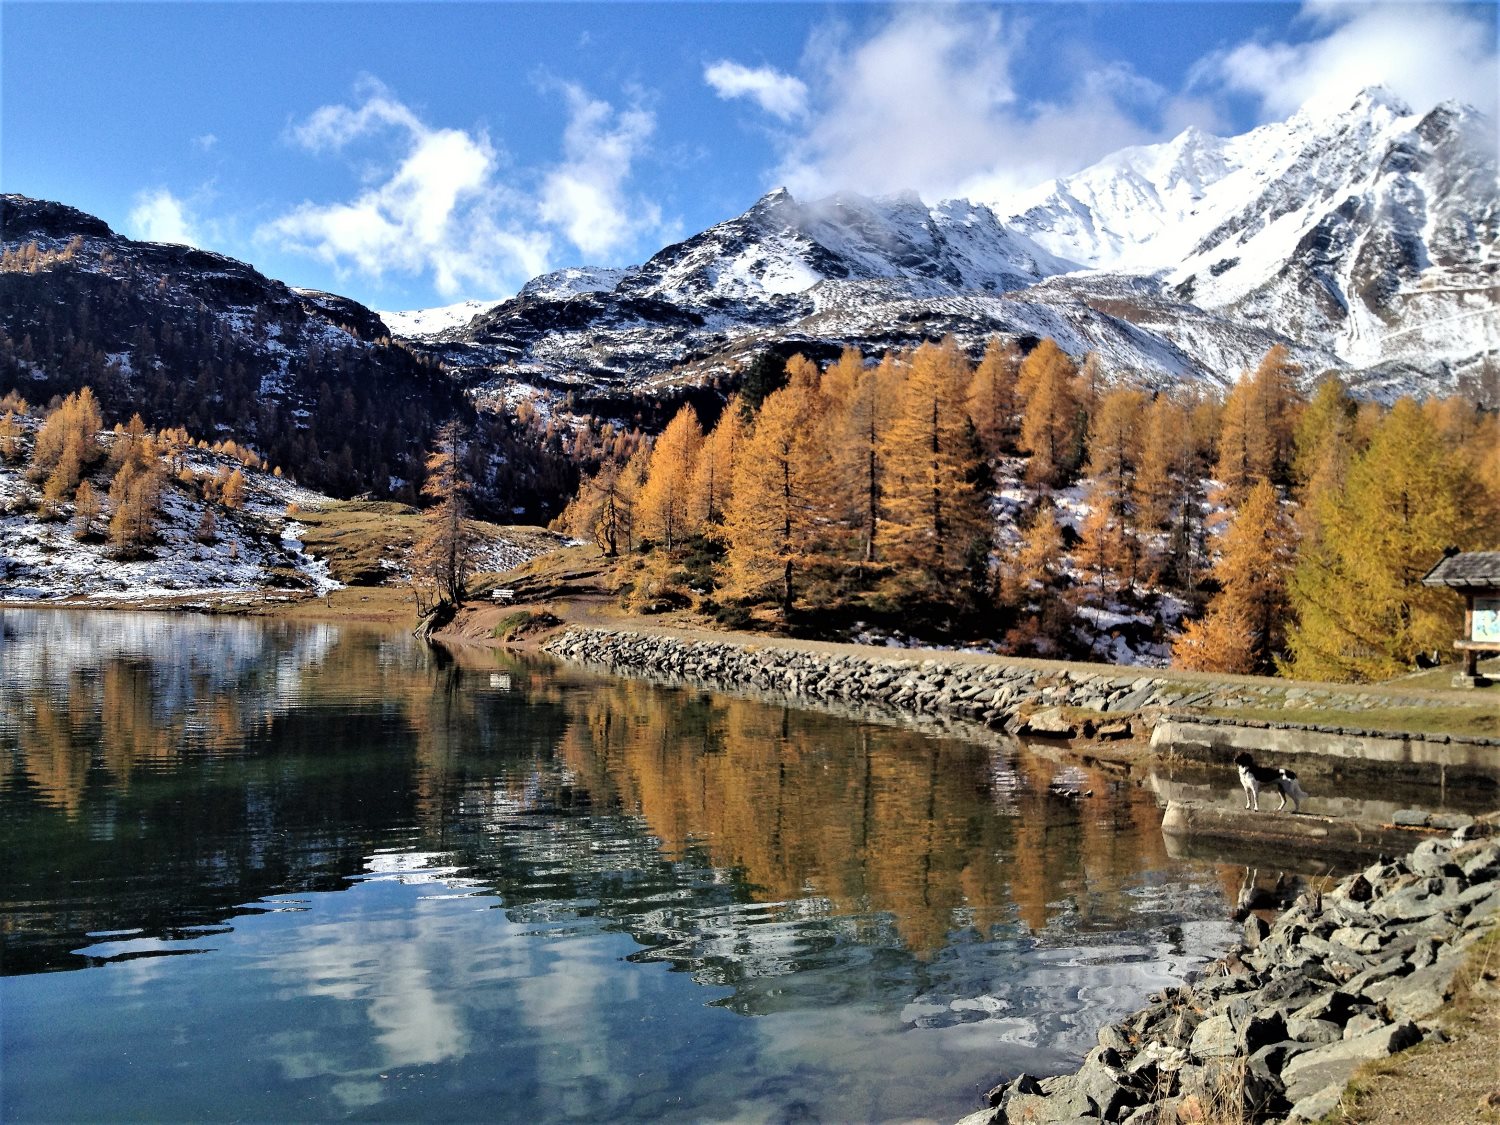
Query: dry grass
(1439,1082)
(355,535)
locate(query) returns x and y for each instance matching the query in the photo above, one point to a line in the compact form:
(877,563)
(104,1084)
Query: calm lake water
(275,872)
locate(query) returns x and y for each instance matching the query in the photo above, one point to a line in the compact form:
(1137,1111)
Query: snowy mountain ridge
(1361,237)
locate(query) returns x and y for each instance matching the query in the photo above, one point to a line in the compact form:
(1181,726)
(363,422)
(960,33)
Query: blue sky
(413,154)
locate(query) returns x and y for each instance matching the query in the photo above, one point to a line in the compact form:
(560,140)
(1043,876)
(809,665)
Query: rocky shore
(1274,1029)
(1015,696)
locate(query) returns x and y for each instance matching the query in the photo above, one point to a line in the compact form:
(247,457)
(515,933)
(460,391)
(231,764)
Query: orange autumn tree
(781,502)
(1051,419)
(937,522)
(663,511)
(1244,628)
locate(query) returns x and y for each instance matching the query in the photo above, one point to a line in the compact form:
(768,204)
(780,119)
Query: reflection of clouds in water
(189,662)
(399,970)
(571,985)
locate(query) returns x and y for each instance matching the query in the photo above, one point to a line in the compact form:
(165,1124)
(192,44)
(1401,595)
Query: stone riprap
(1274,1029)
(1018,697)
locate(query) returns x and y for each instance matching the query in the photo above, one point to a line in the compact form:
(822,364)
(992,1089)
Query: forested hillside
(1026,504)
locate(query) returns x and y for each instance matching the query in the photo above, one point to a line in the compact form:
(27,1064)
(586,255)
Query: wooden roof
(1467,570)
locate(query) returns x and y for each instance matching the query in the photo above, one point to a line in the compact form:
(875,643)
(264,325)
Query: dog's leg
(1283,799)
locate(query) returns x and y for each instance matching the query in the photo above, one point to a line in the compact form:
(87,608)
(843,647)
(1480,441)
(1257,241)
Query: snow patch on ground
(252,551)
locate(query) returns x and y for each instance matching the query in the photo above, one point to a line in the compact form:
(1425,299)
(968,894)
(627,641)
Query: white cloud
(928,103)
(206,142)
(585,195)
(1425,53)
(780,95)
(159,216)
(444,207)
(928,100)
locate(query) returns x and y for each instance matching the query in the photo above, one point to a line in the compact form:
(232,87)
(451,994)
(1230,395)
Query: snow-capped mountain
(417,324)
(1363,239)
(875,273)
(1369,231)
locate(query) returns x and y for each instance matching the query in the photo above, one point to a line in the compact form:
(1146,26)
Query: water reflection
(404,877)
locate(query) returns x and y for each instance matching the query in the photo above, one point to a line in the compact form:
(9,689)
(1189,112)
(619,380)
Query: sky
(417,154)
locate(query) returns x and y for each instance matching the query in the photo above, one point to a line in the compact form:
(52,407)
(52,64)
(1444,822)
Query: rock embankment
(1275,1028)
(1015,696)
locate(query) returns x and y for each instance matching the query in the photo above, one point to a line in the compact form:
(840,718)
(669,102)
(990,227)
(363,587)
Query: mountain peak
(1370,102)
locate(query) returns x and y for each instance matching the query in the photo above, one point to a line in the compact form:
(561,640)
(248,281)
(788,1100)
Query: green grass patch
(1482,719)
(514,626)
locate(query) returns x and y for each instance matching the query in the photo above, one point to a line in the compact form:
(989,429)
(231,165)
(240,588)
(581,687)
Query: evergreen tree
(765,375)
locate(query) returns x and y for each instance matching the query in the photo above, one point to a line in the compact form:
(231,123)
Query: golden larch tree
(781,501)
(1051,419)
(994,402)
(936,518)
(443,555)
(1165,461)
(713,476)
(663,509)
(1114,441)
(1361,611)
(1252,568)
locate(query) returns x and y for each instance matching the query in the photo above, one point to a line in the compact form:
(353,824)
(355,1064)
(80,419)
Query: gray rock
(1363,1023)
(1315,1032)
(1049,723)
(1420,995)
(1318,1105)
(1255,931)
(1214,1038)
(1324,1066)
(1451,822)
(1410,818)
(1430,858)
(1357,939)
(1356,888)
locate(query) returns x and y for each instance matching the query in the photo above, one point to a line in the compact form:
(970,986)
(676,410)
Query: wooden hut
(1476,575)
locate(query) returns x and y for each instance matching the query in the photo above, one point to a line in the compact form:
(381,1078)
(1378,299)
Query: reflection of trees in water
(872,819)
(734,838)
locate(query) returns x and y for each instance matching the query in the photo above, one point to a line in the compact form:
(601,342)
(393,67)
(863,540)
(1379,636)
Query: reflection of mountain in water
(796,858)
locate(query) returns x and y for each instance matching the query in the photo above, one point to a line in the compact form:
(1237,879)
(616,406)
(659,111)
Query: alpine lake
(257,870)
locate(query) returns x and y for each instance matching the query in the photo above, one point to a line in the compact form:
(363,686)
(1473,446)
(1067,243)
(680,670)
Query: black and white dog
(1254,778)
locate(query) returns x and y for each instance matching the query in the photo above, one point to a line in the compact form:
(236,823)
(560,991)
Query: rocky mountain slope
(1363,239)
(188,337)
(1370,231)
